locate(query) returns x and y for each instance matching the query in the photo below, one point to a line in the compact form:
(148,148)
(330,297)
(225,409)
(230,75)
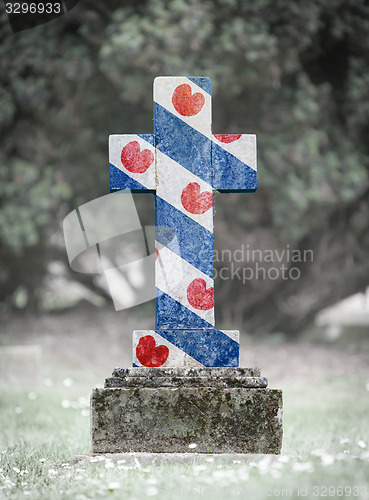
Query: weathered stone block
(167,418)
(189,377)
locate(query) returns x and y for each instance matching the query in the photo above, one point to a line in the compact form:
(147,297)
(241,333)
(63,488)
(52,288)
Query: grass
(325,451)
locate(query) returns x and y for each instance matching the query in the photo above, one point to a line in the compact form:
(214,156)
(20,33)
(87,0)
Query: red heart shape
(148,354)
(194,201)
(198,296)
(135,160)
(186,103)
(227,138)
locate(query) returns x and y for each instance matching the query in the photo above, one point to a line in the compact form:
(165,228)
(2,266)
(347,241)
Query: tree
(296,75)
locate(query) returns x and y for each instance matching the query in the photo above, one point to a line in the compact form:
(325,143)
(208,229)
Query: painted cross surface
(182,163)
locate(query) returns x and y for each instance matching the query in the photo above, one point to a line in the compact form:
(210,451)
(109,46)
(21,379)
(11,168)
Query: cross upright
(182,163)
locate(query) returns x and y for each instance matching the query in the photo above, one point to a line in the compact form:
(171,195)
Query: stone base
(220,410)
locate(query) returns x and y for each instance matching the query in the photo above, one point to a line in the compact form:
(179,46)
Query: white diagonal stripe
(172,179)
(244,149)
(173,275)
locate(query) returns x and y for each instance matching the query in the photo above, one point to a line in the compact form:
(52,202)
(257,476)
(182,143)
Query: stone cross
(182,163)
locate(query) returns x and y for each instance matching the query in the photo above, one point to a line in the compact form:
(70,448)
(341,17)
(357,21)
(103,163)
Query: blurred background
(295,74)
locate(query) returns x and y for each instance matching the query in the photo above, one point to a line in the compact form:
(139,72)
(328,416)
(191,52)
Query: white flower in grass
(84,402)
(8,483)
(192,446)
(275,473)
(114,485)
(151,480)
(152,491)
(318,453)
(18,410)
(67,382)
(344,440)
(210,459)
(264,464)
(109,465)
(243,474)
(327,460)
(65,403)
(94,459)
(121,461)
(15,469)
(341,456)
(26,492)
(219,474)
(42,460)
(277,465)
(199,467)
(52,472)
(303,467)
(361,444)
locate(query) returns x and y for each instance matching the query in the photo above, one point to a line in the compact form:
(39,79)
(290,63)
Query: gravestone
(185,390)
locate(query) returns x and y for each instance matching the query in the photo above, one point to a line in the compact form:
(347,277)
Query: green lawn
(325,451)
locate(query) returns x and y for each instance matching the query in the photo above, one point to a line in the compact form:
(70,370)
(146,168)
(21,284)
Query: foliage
(296,74)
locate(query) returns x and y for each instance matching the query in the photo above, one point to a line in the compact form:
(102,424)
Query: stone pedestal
(165,410)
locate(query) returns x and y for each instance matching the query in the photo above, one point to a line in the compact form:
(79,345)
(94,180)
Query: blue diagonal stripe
(195,243)
(171,314)
(203,82)
(230,173)
(182,143)
(208,347)
(120,180)
(150,138)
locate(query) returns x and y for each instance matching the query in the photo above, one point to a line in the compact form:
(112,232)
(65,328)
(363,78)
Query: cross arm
(234,162)
(132,162)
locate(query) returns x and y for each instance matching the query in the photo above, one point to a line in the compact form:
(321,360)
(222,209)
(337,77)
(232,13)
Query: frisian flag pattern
(182,163)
